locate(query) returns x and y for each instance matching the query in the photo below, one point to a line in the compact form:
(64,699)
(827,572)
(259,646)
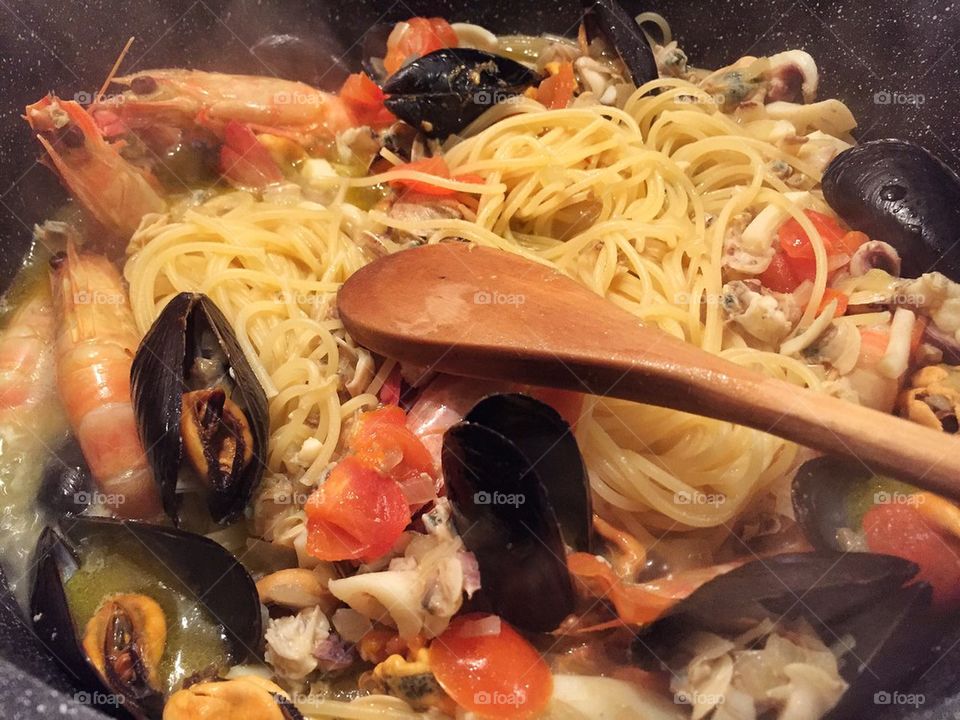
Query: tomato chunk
(557,90)
(435,165)
(357,514)
(779,275)
(488,668)
(415,38)
(900,529)
(796,244)
(383,441)
(365,100)
(829,295)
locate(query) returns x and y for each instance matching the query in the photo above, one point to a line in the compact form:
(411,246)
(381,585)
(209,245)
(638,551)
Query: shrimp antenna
(113,70)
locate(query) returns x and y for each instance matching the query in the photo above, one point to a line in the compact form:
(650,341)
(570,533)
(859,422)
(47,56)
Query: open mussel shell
(609,21)
(503,512)
(198,400)
(898,192)
(66,485)
(444,91)
(856,602)
(194,567)
(547,442)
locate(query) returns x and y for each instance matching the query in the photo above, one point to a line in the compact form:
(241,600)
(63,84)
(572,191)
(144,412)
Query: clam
(444,91)
(898,192)
(132,609)
(495,463)
(607,23)
(857,603)
(198,403)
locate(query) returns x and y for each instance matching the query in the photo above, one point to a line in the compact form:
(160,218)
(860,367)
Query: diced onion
(897,357)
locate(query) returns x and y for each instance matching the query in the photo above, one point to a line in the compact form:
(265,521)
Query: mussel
(246,696)
(199,402)
(306,60)
(607,22)
(898,192)
(66,486)
(133,609)
(508,465)
(857,603)
(444,91)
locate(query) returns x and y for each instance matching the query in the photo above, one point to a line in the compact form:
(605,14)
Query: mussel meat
(199,402)
(117,604)
(857,603)
(607,22)
(444,91)
(494,467)
(898,192)
(245,696)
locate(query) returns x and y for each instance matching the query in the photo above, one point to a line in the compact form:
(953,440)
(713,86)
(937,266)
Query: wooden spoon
(487,313)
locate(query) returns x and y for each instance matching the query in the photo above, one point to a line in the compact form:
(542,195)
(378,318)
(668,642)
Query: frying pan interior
(893,62)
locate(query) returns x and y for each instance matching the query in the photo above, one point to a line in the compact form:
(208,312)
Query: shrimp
(96,341)
(187,98)
(116,193)
(26,356)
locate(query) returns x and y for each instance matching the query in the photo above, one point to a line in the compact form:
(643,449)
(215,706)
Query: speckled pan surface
(895,63)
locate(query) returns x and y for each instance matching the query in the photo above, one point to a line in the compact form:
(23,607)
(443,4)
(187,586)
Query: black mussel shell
(823,585)
(854,601)
(608,20)
(898,192)
(295,58)
(66,486)
(160,378)
(548,444)
(502,511)
(822,493)
(444,91)
(204,568)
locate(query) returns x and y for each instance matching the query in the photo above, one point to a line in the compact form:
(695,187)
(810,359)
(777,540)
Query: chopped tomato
(900,529)
(488,668)
(779,275)
(916,337)
(415,38)
(365,99)
(435,165)
(851,241)
(244,161)
(557,90)
(829,295)
(794,240)
(357,514)
(873,345)
(383,441)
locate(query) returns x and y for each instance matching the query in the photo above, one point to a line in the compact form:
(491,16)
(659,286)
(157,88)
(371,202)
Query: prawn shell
(607,19)
(158,377)
(205,569)
(548,444)
(505,518)
(900,193)
(442,92)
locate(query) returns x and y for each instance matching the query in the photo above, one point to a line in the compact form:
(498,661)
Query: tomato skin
(556,91)
(779,275)
(380,434)
(496,675)
(900,529)
(435,165)
(421,37)
(365,100)
(796,244)
(357,514)
(244,161)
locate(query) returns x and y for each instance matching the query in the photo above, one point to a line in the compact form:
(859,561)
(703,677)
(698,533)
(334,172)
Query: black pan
(894,63)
